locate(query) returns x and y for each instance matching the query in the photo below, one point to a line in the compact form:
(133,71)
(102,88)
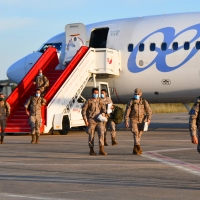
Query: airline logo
(160,61)
(109,60)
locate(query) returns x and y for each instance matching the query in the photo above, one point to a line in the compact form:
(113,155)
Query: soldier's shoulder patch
(192,112)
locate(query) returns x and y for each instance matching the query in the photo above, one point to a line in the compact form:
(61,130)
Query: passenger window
(164,46)
(186,45)
(141,47)
(175,46)
(152,47)
(198,45)
(130,47)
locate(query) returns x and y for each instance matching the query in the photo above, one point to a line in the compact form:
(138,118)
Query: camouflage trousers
(110,125)
(99,128)
(137,130)
(35,123)
(3,126)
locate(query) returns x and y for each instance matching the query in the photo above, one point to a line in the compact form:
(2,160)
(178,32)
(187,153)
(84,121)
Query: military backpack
(117,115)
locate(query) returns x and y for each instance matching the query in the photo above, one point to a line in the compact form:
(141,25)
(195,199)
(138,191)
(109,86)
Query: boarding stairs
(65,87)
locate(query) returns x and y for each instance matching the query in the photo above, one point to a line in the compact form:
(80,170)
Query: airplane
(159,54)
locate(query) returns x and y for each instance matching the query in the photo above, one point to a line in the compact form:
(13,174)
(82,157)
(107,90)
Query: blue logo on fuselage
(160,59)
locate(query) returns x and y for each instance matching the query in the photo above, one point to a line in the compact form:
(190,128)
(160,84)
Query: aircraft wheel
(65,126)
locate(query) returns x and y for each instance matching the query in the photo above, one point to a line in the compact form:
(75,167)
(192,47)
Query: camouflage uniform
(194,119)
(138,113)
(90,111)
(41,81)
(34,104)
(109,124)
(4,113)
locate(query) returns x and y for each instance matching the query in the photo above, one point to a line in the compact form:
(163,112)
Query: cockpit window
(58,46)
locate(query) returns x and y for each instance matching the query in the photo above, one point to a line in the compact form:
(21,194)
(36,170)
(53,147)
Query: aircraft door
(98,38)
(104,85)
(75,38)
(111,37)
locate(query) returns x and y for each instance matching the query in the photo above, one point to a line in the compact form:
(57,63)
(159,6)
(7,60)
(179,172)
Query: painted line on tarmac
(28,197)
(170,150)
(181,165)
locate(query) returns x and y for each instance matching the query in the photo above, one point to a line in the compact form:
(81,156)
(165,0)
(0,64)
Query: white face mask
(102,96)
(40,74)
(136,96)
(37,95)
(95,96)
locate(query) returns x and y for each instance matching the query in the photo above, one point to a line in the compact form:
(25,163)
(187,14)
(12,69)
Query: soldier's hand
(127,125)
(42,88)
(34,83)
(103,114)
(194,139)
(149,121)
(27,113)
(87,123)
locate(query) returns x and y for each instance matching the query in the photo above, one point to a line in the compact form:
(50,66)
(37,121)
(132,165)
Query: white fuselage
(159,54)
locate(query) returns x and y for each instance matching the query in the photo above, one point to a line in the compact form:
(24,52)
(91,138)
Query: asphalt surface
(60,167)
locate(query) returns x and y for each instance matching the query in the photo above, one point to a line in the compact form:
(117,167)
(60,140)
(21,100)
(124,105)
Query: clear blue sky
(26,24)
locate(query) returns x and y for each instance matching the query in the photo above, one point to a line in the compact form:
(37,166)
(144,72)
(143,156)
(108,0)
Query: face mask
(40,74)
(37,95)
(102,96)
(1,99)
(136,96)
(95,96)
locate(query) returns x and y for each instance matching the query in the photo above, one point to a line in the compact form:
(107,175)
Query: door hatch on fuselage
(98,38)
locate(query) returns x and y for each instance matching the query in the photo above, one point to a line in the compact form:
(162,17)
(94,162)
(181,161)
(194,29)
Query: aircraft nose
(17,70)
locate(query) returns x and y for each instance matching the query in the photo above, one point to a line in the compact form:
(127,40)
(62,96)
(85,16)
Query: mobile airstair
(65,87)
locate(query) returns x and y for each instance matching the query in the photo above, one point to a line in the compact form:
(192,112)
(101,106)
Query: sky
(26,24)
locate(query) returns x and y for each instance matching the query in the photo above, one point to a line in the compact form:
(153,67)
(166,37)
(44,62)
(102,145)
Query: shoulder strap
(144,103)
(5,104)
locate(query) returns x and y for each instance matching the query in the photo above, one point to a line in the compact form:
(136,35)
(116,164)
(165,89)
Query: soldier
(194,122)
(90,112)
(136,110)
(110,124)
(41,82)
(33,110)
(4,114)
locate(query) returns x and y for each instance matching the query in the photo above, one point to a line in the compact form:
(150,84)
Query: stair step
(17,130)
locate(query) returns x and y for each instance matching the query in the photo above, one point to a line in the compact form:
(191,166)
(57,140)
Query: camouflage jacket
(4,110)
(34,105)
(138,112)
(92,108)
(107,100)
(194,119)
(41,81)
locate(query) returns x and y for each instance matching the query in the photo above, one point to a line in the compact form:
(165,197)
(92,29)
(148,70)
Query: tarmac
(60,167)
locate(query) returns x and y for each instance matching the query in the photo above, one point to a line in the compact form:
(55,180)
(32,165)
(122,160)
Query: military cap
(138,91)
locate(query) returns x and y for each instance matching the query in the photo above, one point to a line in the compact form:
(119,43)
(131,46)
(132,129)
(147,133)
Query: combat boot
(37,139)
(101,151)
(2,137)
(33,139)
(92,153)
(135,150)
(105,143)
(114,142)
(139,149)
